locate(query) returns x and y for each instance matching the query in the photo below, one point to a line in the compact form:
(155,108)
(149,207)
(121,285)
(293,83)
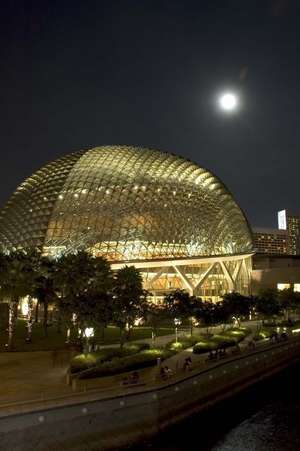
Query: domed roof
(125,203)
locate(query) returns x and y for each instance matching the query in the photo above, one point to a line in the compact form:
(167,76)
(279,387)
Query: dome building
(175,221)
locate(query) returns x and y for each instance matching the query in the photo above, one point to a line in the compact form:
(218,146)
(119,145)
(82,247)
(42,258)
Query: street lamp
(177,322)
(88,333)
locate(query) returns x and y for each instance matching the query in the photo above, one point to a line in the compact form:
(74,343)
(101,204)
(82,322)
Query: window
(283,286)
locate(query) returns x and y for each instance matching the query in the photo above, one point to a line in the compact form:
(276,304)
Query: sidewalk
(35,375)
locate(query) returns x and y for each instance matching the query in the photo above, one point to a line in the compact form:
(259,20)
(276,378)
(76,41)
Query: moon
(228,101)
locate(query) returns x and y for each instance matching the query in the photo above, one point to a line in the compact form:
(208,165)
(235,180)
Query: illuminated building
(172,219)
(270,241)
(290,223)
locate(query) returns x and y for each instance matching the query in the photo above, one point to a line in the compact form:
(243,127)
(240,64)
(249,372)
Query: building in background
(291,224)
(275,271)
(270,241)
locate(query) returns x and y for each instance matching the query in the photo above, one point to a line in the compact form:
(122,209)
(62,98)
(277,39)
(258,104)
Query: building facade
(173,220)
(270,241)
(291,224)
(276,272)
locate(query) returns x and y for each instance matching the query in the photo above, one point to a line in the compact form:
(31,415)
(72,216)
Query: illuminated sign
(282,220)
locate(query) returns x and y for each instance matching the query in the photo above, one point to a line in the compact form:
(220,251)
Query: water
(266,417)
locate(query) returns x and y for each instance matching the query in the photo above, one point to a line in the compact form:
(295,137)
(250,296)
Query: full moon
(228,101)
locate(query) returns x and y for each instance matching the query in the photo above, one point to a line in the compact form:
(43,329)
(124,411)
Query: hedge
(228,338)
(138,361)
(182,343)
(83,362)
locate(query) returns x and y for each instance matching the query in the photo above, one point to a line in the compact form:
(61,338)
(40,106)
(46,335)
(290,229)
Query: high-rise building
(270,241)
(291,224)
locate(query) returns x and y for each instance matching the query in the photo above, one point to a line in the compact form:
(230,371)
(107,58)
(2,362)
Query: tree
(267,303)
(84,286)
(16,281)
(288,300)
(43,289)
(155,316)
(206,313)
(181,305)
(237,305)
(129,300)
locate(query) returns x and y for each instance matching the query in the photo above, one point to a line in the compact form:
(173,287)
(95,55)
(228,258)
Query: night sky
(77,74)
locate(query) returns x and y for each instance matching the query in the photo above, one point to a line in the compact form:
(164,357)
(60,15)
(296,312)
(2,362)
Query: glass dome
(125,203)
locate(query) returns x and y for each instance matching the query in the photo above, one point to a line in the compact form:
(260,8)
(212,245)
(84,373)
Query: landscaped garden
(77,301)
(112,360)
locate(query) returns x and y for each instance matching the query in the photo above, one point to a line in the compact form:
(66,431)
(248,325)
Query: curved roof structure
(125,203)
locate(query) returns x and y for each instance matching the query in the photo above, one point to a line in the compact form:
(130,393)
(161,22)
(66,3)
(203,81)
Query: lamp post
(177,322)
(88,333)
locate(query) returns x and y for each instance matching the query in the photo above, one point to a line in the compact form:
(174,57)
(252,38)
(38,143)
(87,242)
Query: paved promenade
(32,376)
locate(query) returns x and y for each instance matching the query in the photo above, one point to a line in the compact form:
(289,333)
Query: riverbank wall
(140,412)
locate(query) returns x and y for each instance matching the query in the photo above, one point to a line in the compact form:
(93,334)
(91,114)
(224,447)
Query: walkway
(40,375)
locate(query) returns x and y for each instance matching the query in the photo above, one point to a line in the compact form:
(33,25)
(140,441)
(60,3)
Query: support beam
(237,271)
(227,275)
(204,276)
(156,276)
(185,280)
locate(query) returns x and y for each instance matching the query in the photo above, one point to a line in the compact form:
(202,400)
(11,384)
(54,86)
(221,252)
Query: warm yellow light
(283,286)
(24,307)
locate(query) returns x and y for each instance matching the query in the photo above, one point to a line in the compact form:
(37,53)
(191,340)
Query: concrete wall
(269,278)
(113,422)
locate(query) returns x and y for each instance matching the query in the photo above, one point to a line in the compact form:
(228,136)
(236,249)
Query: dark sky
(76,74)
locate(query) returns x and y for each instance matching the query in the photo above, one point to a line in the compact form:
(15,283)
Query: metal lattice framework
(128,204)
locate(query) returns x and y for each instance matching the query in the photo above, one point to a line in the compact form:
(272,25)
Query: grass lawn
(56,340)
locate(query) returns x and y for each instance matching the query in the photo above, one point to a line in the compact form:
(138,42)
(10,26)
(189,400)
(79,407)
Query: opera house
(172,219)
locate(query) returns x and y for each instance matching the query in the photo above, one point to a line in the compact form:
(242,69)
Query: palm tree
(43,289)
(16,281)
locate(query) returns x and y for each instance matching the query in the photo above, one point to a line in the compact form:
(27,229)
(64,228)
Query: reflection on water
(275,427)
(264,418)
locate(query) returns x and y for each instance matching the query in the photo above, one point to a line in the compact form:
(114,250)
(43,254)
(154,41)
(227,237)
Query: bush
(182,343)
(133,348)
(263,333)
(83,362)
(137,361)
(229,338)
(204,345)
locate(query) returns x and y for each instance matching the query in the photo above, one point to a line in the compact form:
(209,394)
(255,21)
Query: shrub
(231,337)
(263,333)
(182,343)
(83,362)
(204,346)
(133,348)
(137,361)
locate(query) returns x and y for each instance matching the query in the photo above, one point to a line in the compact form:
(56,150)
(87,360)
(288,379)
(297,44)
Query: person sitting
(134,377)
(187,364)
(162,373)
(168,372)
(251,344)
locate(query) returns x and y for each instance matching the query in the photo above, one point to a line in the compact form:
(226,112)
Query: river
(266,417)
